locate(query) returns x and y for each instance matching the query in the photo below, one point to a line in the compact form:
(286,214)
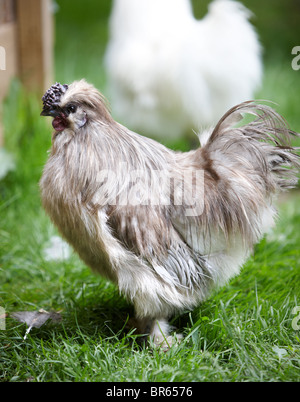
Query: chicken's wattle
(59,123)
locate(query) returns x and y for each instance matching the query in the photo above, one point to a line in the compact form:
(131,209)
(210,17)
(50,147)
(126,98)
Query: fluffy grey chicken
(166,227)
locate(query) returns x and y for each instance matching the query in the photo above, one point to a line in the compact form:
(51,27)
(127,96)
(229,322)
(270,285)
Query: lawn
(246,331)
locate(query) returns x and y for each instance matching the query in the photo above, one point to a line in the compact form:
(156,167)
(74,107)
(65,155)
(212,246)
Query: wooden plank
(35,38)
(8,51)
(8,62)
(26,45)
(7,11)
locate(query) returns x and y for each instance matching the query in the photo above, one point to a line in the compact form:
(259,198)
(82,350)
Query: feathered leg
(158,331)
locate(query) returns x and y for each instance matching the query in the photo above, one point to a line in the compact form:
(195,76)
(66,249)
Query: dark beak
(48,111)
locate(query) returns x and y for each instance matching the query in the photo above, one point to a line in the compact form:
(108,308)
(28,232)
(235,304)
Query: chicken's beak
(47,111)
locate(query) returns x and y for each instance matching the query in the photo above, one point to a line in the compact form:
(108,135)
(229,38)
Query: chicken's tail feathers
(229,8)
(255,134)
(265,121)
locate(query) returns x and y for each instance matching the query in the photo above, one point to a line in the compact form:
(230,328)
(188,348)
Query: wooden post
(35,38)
(8,51)
(26,45)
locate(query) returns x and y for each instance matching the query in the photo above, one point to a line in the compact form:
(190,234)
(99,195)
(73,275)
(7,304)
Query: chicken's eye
(71,108)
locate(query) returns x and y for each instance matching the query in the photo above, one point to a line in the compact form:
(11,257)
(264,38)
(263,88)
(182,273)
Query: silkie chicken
(169,73)
(166,227)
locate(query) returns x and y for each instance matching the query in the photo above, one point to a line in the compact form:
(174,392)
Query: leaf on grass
(35,319)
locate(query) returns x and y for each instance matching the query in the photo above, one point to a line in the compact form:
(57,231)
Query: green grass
(243,332)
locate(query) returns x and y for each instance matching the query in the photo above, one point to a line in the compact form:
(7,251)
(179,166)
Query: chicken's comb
(53,95)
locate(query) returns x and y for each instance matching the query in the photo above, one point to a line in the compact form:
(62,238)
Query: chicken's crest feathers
(81,92)
(53,95)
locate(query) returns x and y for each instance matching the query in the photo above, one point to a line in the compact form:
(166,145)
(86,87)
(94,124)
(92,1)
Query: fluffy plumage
(166,227)
(169,74)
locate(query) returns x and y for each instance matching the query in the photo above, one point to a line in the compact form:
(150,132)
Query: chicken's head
(73,106)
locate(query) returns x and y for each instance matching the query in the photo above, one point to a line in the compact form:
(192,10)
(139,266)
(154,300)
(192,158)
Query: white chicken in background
(169,73)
